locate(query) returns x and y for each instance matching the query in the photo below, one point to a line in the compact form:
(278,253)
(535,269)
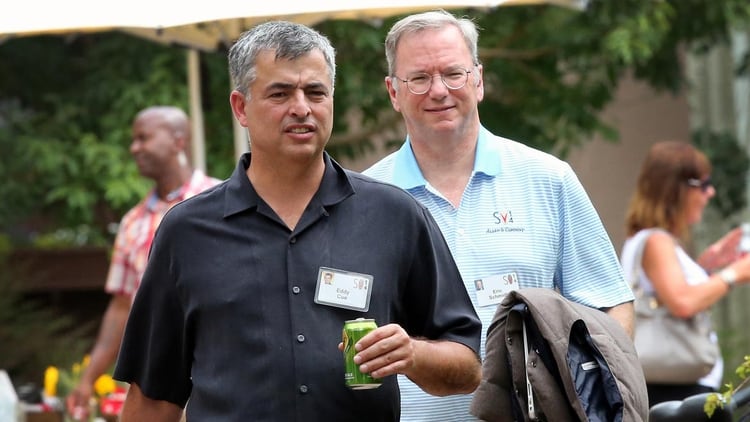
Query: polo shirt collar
(154,203)
(407,175)
(241,195)
(486,160)
(335,186)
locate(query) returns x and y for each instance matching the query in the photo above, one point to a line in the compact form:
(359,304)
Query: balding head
(174,118)
(161,143)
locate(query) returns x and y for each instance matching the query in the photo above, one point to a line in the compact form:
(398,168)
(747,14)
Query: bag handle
(635,281)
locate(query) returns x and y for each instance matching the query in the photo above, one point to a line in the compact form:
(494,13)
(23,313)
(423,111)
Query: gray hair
(437,19)
(289,40)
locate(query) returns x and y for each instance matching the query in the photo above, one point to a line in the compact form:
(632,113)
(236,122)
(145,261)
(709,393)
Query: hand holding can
(353,331)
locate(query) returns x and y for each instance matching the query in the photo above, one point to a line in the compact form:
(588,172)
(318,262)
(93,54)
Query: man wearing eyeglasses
(514,217)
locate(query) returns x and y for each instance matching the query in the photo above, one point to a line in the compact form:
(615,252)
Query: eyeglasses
(420,83)
(704,185)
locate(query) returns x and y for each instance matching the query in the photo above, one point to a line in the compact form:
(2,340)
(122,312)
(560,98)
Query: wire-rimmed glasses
(419,83)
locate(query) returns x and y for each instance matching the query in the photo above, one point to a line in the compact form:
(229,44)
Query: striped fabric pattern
(136,231)
(523,212)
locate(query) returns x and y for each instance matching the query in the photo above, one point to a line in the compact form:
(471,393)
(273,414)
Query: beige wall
(608,170)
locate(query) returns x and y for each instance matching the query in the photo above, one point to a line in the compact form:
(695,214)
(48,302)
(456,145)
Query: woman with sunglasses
(673,189)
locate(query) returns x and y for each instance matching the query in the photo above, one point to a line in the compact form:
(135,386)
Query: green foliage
(649,35)
(362,107)
(719,400)
(730,166)
(34,336)
(546,81)
(67,116)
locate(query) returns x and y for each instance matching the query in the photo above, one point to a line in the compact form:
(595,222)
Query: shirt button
(461,232)
(303,389)
(293,240)
(300,338)
(296,290)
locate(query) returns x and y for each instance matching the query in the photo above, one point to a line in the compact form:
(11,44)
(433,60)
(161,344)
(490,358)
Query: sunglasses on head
(702,184)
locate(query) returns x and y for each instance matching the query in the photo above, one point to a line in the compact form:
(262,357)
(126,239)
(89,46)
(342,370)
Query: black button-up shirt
(226,317)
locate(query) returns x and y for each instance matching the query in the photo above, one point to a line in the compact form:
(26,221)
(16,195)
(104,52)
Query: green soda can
(353,331)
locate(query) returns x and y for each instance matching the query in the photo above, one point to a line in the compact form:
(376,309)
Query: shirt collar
(241,195)
(407,175)
(177,195)
(486,160)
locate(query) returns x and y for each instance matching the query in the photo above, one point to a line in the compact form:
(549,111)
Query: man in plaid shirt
(161,138)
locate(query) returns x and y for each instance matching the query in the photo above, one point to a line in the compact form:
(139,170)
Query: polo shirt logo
(503,217)
(503,223)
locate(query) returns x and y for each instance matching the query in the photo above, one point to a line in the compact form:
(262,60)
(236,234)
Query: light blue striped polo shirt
(524,212)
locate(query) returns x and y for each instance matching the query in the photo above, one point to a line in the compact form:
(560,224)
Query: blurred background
(593,82)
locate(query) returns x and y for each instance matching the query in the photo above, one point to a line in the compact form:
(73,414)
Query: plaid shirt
(136,232)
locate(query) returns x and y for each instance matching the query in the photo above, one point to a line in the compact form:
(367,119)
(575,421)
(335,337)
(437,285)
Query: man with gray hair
(514,217)
(235,312)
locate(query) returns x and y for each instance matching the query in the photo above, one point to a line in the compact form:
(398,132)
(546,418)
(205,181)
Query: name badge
(343,289)
(491,290)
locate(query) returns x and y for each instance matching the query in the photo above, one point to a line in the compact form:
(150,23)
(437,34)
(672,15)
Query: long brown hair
(659,198)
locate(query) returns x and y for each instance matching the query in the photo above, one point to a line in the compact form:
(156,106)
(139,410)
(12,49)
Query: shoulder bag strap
(635,281)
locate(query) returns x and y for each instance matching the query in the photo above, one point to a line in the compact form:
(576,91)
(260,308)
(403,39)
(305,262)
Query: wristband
(728,276)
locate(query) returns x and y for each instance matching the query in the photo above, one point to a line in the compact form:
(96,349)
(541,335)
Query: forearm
(108,340)
(624,314)
(138,408)
(442,368)
(102,356)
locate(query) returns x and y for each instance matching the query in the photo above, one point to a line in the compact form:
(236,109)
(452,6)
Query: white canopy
(205,24)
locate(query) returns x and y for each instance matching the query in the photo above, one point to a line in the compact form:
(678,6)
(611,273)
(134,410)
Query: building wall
(608,170)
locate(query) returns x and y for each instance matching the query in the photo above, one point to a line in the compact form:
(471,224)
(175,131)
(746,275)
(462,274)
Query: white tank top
(694,274)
